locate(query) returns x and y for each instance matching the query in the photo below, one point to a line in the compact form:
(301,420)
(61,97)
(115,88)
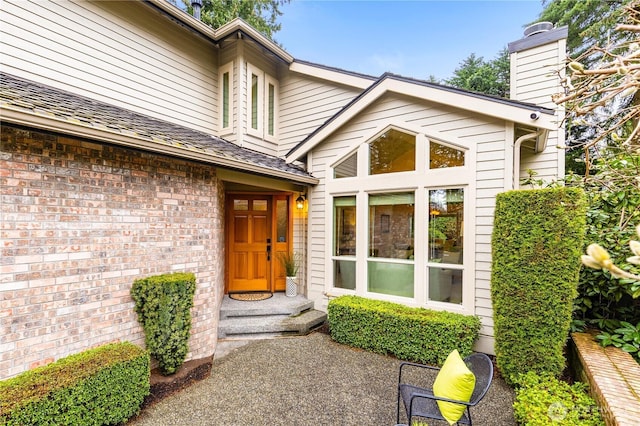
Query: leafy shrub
(537,242)
(163,305)
(545,400)
(613,194)
(625,337)
(412,334)
(104,385)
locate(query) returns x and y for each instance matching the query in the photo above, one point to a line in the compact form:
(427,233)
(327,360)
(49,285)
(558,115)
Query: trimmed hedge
(412,334)
(542,401)
(537,241)
(100,386)
(163,305)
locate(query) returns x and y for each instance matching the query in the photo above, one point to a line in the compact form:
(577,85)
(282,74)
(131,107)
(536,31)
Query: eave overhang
(229,29)
(53,124)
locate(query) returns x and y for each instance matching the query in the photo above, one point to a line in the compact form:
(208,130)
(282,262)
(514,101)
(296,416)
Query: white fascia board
(56,125)
(184,17)
(477,104)
(224,31)
(239,25)
(345,78)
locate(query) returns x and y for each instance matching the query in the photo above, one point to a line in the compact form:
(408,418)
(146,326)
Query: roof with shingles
(42,100)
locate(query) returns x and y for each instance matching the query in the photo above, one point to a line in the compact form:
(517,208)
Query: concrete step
(278,304)
(267,326)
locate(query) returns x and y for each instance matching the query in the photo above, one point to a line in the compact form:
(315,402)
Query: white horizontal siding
(535,73)
(545,164)
(121,53)
(305,104)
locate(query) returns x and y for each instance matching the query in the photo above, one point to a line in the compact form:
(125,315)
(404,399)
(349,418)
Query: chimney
(196,5)
(535,60)
(537,67)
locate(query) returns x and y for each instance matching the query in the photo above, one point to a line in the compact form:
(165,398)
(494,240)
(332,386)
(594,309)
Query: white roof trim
(333,75)
(458,99)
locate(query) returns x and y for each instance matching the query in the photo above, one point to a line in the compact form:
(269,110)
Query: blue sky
(411,38)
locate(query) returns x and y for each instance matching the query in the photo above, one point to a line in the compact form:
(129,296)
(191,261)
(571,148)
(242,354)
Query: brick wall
(80,222)
(613,377)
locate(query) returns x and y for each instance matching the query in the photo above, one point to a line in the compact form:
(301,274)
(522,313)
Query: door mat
(251,297)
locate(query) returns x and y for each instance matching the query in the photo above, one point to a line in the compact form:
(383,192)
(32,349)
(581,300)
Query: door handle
(268,249)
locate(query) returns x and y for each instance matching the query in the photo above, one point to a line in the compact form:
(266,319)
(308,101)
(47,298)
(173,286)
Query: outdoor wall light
(300,202)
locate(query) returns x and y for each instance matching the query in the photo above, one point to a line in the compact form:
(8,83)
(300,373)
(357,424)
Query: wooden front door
(255,235)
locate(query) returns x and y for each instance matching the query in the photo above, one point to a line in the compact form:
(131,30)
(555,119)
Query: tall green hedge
(101,386)
(163,305)
(412,334)
(537,242)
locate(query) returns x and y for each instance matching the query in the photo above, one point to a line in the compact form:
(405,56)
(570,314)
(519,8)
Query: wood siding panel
(305,104)
(121,53)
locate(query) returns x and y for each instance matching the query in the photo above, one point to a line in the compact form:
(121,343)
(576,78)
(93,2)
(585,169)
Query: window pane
(254,101)
(241,204)
(282,220)
(271,110)
(445,285)
(394,151)
(390,278)
(347,168)
(225,99)
(446,226)
(391,225)
(344,274)
(260,205)
(344,234)
(441,156)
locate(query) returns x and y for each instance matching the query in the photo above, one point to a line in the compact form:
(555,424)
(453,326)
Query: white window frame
(226,68)
(421,181)
(268,80)
(264,80)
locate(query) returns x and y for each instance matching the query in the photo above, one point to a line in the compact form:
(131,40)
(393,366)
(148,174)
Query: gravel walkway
(308,380)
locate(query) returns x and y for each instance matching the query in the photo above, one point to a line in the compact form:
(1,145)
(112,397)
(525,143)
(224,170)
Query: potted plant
(290,262)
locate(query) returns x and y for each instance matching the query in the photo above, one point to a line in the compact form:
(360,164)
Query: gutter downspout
(516,154)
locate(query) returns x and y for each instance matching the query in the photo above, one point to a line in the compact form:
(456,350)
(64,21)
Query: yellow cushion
(454,381)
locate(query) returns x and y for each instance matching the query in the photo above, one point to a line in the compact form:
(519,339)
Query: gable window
(442,156)
(262,103)
(347,167)
(393,151)
(225,85)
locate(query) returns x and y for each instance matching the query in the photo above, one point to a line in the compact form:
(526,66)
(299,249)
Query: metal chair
(420,401)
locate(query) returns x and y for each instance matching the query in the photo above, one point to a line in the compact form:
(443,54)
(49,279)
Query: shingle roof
(42,100)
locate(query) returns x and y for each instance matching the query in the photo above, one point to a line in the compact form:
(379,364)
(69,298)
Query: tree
(604,95)
(476,74)
(260,14)
(590,21)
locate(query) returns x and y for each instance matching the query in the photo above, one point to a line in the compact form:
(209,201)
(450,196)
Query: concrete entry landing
(274,317)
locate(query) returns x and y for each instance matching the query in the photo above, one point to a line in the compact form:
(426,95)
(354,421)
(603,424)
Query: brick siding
(80,221)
